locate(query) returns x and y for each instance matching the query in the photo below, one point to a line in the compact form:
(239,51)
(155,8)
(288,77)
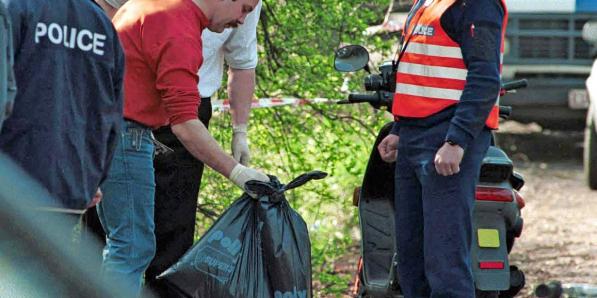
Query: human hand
(240,175)
(240,146)
(96,198)
(447,159)
(388,148)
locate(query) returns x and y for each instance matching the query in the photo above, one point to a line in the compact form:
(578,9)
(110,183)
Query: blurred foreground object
(38,257)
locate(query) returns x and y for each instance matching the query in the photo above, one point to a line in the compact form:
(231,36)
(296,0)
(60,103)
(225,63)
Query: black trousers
(178,178)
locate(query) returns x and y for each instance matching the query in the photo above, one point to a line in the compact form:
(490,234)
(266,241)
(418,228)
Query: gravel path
(559,240)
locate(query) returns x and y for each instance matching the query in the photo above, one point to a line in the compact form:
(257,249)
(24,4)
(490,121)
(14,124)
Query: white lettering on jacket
(71,38)
(424,30)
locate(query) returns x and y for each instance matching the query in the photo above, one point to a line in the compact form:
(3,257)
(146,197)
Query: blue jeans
(433,214)
(126,210)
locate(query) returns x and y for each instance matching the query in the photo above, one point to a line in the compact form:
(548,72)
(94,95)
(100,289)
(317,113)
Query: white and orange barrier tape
(224,105)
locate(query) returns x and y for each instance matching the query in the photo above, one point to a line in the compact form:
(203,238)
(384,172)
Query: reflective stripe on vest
(431,74)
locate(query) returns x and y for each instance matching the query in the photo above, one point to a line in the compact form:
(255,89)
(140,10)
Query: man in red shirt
(161,40)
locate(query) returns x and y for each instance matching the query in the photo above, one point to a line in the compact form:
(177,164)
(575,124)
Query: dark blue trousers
(434,214)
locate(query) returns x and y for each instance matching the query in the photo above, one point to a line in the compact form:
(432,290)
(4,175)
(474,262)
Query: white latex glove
(241,174)
(240,147)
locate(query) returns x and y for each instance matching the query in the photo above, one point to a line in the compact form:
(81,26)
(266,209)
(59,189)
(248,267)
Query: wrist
(395,128)
(239,128)
(458,135)
(453,144)
(237,173)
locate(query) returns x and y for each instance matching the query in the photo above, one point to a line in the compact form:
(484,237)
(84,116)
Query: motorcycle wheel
(517,282)
(590,155)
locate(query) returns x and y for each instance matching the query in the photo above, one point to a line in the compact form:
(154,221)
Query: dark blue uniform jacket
(69,72)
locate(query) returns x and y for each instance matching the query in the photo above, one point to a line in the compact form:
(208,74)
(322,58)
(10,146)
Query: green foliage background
(297,41)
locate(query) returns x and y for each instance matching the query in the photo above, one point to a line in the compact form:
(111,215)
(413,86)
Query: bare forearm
(197,140)
(241,86)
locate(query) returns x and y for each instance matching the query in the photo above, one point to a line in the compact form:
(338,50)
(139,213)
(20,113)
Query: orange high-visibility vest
(431,74)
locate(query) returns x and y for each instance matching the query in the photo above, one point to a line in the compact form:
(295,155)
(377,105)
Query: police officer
(69,69)
(447,85)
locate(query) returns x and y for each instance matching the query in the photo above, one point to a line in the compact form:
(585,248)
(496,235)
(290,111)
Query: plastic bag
(258,248)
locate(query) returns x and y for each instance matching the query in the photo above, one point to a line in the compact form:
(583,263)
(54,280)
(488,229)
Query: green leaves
(299,38)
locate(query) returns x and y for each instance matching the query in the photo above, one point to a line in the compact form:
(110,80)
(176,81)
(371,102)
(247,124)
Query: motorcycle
(497,215)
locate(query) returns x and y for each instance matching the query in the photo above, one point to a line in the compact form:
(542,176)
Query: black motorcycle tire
(517,283)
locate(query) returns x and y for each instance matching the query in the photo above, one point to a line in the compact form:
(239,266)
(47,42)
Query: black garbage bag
(257,248)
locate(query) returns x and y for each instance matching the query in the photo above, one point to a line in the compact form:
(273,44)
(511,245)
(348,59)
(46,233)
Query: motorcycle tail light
(493,194)
(519,200)
(491,265)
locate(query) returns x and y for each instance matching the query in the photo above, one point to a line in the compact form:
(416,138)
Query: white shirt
(236,46)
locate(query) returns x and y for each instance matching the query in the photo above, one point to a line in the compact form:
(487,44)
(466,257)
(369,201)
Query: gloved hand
(241,174)
(240,147)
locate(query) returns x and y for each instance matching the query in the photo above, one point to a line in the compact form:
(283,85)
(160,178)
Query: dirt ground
(559,239)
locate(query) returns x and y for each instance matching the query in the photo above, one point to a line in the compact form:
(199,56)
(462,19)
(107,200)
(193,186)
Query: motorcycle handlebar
(505,111)
(515,85)
(355,98)
(378,99)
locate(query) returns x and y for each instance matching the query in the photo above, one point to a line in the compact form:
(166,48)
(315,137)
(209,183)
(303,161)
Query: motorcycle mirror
(351,58)
(589,32)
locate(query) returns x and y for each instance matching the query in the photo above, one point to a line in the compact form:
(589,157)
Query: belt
(135,124)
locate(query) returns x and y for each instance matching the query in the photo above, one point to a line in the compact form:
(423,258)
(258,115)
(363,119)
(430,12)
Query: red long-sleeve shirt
(162,45)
